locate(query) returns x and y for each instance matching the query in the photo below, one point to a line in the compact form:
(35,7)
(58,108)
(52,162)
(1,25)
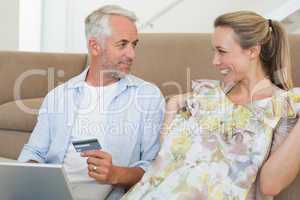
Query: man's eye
(134,45)
(122,45)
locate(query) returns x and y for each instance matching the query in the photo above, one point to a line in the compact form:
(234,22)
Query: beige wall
(30,13)
(9,21)
(61,29)
(176,16)
(297,31)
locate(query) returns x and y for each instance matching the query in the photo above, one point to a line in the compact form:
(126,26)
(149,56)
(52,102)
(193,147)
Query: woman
(217,137)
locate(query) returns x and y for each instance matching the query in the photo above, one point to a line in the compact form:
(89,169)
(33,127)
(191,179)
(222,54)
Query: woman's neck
(257,86)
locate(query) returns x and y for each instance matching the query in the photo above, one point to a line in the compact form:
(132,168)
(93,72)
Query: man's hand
(100,166)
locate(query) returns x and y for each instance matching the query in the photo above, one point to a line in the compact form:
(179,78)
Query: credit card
(86,145)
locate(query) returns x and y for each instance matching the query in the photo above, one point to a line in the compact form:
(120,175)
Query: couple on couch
(226,139)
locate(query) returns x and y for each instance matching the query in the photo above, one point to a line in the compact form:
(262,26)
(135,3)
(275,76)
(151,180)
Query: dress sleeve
(284,127)
(288,119)
(294,99)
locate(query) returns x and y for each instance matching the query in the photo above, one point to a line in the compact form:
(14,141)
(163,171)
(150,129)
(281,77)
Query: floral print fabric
(214,148)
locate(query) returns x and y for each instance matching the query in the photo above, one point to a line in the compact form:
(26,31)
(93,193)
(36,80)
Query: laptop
(31,181)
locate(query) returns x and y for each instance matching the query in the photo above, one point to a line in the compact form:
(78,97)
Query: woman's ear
(255,51)
(94,46)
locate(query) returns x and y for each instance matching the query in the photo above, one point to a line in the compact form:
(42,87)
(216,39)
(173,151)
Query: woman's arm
(174,104)
(283,165)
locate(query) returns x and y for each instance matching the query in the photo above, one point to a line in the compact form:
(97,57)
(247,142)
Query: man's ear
(255,51)
(94,46)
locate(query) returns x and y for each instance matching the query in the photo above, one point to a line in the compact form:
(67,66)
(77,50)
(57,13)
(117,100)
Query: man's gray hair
(97,23)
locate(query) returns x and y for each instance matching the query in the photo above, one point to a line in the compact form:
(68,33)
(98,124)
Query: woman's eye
(221,51)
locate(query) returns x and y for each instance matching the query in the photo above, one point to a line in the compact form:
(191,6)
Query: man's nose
(130,52)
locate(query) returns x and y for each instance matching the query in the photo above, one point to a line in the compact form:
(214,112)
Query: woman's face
(233,62)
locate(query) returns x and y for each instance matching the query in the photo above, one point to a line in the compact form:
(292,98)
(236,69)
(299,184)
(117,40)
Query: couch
(169,60)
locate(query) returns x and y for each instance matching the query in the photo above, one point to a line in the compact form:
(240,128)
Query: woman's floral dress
(214,148)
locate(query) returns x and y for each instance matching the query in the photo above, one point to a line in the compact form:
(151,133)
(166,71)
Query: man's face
(119,49)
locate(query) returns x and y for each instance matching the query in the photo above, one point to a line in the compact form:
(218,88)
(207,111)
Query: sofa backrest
(169,60)
(173,60)
(26,75)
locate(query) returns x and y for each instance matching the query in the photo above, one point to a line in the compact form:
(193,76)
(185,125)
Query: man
(123,112)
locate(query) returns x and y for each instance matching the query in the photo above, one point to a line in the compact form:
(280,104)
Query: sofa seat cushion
(20,115)
(2,159)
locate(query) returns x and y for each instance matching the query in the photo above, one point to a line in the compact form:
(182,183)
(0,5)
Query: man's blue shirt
(131,128)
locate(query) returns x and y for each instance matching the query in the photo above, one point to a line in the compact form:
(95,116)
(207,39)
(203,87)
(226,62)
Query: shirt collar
(78,81)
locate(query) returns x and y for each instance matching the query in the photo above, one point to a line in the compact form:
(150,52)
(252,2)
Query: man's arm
(127,176)
(37,147)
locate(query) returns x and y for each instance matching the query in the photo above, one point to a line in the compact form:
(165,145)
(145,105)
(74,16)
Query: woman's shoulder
(287,102)
(294,99)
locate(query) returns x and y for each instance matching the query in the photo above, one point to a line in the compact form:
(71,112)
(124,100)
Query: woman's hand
(174,104)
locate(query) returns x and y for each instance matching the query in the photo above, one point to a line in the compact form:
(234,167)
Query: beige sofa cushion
(19,115)
(2,159)
(12,142)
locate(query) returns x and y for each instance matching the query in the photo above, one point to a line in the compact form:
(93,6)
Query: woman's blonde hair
(252,29)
